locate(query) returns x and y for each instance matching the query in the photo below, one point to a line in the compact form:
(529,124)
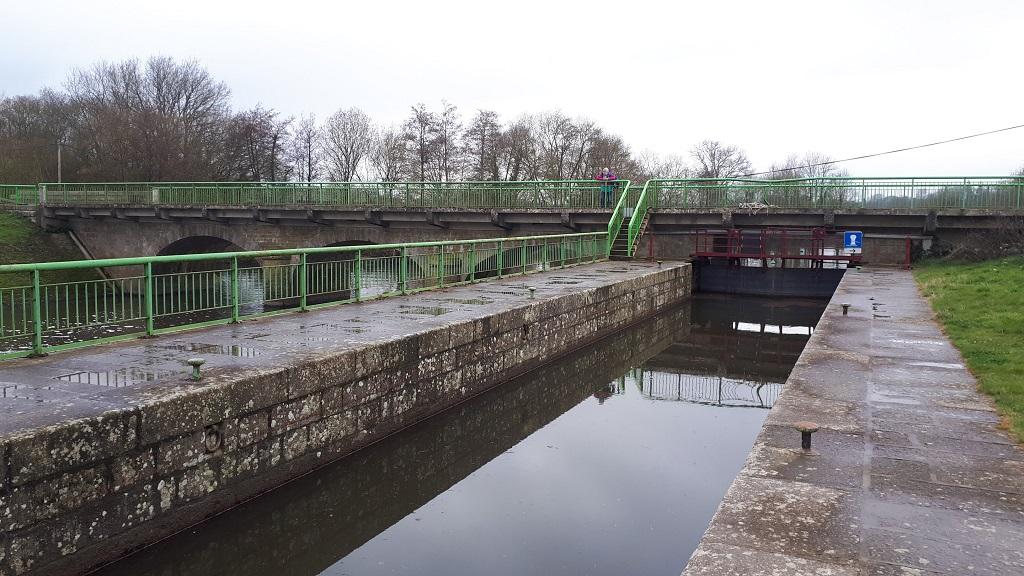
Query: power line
(887,152)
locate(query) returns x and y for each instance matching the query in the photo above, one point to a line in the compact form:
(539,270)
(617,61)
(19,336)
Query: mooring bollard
(195,363)
(532,291)
(846,308)
(806,429)
(659,263)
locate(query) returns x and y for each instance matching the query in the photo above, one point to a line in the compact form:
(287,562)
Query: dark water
(610,461)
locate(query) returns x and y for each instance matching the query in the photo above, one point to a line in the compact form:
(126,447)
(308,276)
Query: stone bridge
(145,219)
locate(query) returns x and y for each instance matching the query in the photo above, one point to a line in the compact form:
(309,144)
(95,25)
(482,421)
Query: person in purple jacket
(607,179)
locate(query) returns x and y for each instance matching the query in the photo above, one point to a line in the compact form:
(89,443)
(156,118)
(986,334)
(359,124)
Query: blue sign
(853,240)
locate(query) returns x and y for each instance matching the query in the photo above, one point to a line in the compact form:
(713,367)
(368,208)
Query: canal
(609,461)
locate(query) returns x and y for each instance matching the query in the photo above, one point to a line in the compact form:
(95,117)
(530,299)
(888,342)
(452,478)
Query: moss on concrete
(981,306)
(22,241)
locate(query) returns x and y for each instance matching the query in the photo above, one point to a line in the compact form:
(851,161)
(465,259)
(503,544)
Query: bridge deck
(910,473)
(87,382)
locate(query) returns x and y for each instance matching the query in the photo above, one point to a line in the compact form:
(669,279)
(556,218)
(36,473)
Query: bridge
(657,219)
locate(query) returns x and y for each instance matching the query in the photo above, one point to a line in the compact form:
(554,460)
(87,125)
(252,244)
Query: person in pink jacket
(607,179)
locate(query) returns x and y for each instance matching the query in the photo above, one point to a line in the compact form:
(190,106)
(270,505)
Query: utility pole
(60,145)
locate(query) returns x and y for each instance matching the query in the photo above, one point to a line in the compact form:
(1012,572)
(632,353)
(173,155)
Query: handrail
(19,194)
(827,193)
(637,220)
(617,215)
(490,194)
(149,295)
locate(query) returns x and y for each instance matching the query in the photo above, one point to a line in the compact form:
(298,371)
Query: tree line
(163,120)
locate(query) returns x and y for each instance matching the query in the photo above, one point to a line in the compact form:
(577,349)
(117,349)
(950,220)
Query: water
(610,461)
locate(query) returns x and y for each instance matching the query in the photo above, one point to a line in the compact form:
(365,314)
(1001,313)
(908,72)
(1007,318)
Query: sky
(844,78)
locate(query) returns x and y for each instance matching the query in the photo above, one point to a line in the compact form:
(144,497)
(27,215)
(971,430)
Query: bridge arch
(200,245)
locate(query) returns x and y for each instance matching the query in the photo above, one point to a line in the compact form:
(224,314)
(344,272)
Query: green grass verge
(981,306)
(22,241)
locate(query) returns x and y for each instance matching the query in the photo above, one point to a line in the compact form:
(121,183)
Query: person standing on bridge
(607,179)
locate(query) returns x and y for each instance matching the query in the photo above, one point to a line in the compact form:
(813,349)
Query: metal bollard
(846,308)
(659,263)
(195,363)
(806,429)
(532,291)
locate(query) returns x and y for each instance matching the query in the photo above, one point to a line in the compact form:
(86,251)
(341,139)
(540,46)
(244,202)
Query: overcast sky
(841,77)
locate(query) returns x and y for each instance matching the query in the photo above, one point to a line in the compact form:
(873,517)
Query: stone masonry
(90,472)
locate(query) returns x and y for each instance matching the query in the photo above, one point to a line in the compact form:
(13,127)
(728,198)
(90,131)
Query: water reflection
(579,467)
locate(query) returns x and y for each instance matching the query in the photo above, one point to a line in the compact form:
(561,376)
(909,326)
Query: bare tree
(517,151)
(716,160)
(306,150)
(148,122)
(348,136)
(481,143)
(650,165)
(446,142)
(420,130)
(255,145)
(387,155)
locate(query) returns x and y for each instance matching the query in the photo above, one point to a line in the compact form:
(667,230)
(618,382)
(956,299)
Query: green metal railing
(626,196)
(19,195)
(571,194)
(986,192)
(151,295)
(636,222)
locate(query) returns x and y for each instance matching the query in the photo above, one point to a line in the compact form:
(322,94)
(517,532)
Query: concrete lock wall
(84,492)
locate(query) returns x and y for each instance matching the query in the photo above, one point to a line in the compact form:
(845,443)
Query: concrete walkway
(40,392)
(909,474)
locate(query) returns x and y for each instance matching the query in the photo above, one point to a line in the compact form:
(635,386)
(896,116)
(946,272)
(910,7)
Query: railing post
(149,298)
(37,316)
(42,194)
(579,250)
(303,290)
(403,271)
(522,255)
(501,255)
(359,275)
(440,265)
(472,262)
(234,290)
(593,251)
(155,195)
(561,251)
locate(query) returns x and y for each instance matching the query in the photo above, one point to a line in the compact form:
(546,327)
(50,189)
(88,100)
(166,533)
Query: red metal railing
(776,247)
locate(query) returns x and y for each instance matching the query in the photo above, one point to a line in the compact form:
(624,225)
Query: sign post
(853,241)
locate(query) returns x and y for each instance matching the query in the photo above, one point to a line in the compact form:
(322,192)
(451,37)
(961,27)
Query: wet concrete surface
(39,392)
(909,474)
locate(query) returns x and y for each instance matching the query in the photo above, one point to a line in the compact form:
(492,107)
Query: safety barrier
(149,295)
(987,193)
(569,194)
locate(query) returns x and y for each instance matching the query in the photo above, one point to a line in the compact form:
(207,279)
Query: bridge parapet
(916,193)
(538,194)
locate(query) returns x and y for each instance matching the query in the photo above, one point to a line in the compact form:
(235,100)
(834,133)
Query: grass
(22,241)
(981,306)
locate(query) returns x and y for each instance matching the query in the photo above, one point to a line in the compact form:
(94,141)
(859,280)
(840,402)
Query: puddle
(119,378)
(468,301)
(564,282)
(424,310)
(893,399)
(11,391)
(232,350)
